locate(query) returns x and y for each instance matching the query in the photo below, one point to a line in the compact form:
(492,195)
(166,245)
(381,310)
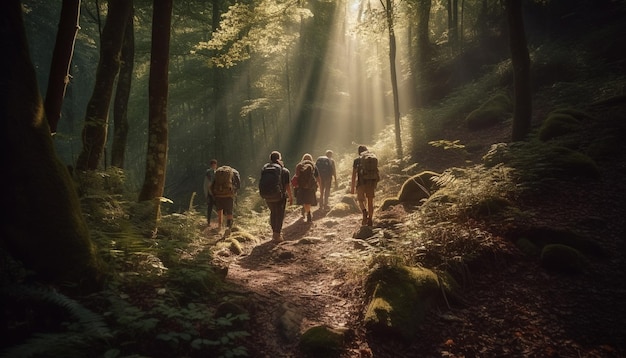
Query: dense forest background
(246,79)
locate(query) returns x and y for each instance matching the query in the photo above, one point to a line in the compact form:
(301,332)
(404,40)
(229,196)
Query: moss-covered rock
(571,163)
(528,247)
(345,207)
(495,110)
(562,258)
(400,297)
(322,341)
(558,124)
(543,236)
(418,187)
(389,202)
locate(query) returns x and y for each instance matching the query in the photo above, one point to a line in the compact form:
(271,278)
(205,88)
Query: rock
(400,297)
(289,320)
(323,341)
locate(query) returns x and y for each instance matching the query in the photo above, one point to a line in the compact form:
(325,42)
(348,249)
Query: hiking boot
(277,237)
(308,217)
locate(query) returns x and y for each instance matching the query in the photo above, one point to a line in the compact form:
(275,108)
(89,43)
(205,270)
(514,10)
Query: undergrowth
(161,296)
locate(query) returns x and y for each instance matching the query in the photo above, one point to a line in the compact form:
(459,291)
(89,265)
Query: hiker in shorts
(326,168)
(224,188)
(308,182)
(365,183)
(276,204)
(208,181)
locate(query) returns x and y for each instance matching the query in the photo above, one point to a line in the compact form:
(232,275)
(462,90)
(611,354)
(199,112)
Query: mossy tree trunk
(69,24)
(97,114)
(156,160)
(122,94)
(521,71)
(43,226)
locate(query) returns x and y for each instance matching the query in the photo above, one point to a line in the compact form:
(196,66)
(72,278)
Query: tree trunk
(97,114)
(423,41)
(43,226)
(122,93)
(59,75)
(156,160)
(521,71)
(394,78)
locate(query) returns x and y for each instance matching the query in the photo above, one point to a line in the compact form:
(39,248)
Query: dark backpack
(368,166)
(324,166)
(271,183)
(306,175)
(223,185)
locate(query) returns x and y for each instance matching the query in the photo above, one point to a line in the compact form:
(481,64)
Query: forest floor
(512,307)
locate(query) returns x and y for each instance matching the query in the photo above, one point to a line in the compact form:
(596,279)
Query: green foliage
(539,166)
(253,28)
(558,124)
(490,112)
(75,330)
(321,341)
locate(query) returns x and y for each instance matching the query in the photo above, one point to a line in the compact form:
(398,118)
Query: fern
(83,327)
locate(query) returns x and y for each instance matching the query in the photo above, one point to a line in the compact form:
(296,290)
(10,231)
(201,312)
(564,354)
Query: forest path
(304,281)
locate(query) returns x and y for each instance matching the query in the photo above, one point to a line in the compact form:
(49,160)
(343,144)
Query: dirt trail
(301,282)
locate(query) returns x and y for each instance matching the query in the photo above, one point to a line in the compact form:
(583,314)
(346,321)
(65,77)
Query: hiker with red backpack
(308,181)
(224,189)
(365,177)
(275,189)
(209,176)
(326,167)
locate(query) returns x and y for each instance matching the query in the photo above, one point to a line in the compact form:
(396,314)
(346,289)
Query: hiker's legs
(325,191)
(360,198)
(220,217)
(277,215)
(227,207)
(307,211)
(209,210)
(369,191)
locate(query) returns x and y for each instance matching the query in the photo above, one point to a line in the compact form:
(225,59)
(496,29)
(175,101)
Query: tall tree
(122,94)
(59,77)
(97,114)
(43,226)
(521,70)
(156,160)
(389,13)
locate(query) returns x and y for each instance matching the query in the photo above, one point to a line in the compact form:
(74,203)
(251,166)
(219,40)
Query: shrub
(489,113)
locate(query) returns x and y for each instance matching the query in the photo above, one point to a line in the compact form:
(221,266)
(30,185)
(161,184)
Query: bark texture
(97,115)
(521,71)
(43,226)
(156,159)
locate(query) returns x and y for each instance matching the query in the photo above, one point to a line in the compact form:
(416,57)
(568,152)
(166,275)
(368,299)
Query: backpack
(368,167)
(271,183)
(324,166)
(223,183)
(306,175)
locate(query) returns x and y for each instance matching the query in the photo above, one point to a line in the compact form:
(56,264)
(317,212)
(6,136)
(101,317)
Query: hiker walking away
(275,189)
(325,165)
(227,182)
(208,181)
(365,176)
(308,181)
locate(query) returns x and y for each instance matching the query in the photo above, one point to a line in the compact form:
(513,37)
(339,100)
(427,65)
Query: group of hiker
(277,187)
